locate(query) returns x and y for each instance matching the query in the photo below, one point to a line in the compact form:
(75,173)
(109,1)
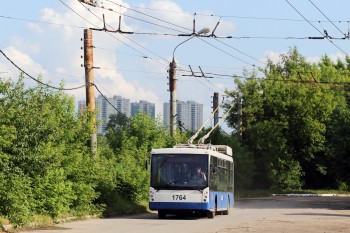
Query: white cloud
(314,59)
(35,28)
(25,62)
(25,45)
(275,57)
(335,57)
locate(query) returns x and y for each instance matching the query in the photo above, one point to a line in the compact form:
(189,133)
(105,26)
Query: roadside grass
(41,220)
(251,193)
(122,206)
(3,222)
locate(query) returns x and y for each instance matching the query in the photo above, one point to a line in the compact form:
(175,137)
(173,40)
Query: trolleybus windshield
(179,171)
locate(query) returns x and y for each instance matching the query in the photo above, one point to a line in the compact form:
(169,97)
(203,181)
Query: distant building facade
(189,114)
(144,107)
(81,107)
(105,109)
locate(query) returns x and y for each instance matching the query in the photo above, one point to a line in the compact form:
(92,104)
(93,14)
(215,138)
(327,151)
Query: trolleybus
(175,188)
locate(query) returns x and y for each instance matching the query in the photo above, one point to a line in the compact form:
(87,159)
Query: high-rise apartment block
(189,114)
(81,106)
(105,109)
(144,107)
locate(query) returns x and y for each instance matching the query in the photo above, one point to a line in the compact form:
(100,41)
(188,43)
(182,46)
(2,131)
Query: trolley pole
(172,89)
(89,82)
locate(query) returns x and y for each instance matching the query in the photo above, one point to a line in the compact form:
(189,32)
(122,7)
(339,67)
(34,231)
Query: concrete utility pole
(172,89)
(215,106)
(89,81)
(172,78)
(240,119)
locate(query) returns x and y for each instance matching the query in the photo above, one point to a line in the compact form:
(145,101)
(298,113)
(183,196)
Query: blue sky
(43,37)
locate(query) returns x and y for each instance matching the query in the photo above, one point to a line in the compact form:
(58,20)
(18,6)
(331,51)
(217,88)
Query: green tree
(285,117)
(45,164)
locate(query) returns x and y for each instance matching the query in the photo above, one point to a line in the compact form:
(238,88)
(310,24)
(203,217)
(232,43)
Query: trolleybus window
(177,171)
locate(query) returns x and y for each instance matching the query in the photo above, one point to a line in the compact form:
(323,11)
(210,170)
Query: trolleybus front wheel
(161,214)
(210,214)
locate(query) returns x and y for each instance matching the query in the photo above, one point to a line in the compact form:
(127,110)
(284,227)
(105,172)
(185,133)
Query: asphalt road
(274,214)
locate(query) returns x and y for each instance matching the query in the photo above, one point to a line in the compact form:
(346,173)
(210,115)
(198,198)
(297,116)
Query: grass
(4,221)
(41,220)
(122,206)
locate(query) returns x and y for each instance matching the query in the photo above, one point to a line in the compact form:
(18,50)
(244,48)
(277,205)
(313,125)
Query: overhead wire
(324,35)
(233,16)
(226,52)
(326,17)
(167,34)
(188,29)
(172,25)
(112,10)
(77,13)
(125,36)
(42,22)
(128,70)
(37,80)
(141,56)
(109,102)
(97,26)
(118,51)
(239,51)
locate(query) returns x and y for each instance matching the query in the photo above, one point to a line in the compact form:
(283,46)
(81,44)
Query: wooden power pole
(89,81)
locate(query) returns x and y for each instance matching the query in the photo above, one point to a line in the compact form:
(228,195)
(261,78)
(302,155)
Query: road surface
(273,214)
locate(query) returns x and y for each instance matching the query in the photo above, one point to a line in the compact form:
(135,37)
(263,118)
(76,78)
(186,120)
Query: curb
(311,195)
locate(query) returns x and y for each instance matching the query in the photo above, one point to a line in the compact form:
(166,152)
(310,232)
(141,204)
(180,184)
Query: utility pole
(89,81)
(240,120)
(172,89)
(215,106)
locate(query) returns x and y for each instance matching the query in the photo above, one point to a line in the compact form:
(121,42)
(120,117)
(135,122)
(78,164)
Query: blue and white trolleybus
(192,179)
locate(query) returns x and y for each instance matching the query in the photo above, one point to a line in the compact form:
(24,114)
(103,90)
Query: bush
(16,197)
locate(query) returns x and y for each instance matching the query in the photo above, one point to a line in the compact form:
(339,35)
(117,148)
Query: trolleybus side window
(221,174)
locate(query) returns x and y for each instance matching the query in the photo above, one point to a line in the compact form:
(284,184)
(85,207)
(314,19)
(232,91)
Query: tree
(285,116)
(45,164)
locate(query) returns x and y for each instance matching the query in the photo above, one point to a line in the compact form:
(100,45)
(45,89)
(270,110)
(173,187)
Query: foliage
(294,123)
(129,142)
(46,167)
(244,167)
(143,135)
